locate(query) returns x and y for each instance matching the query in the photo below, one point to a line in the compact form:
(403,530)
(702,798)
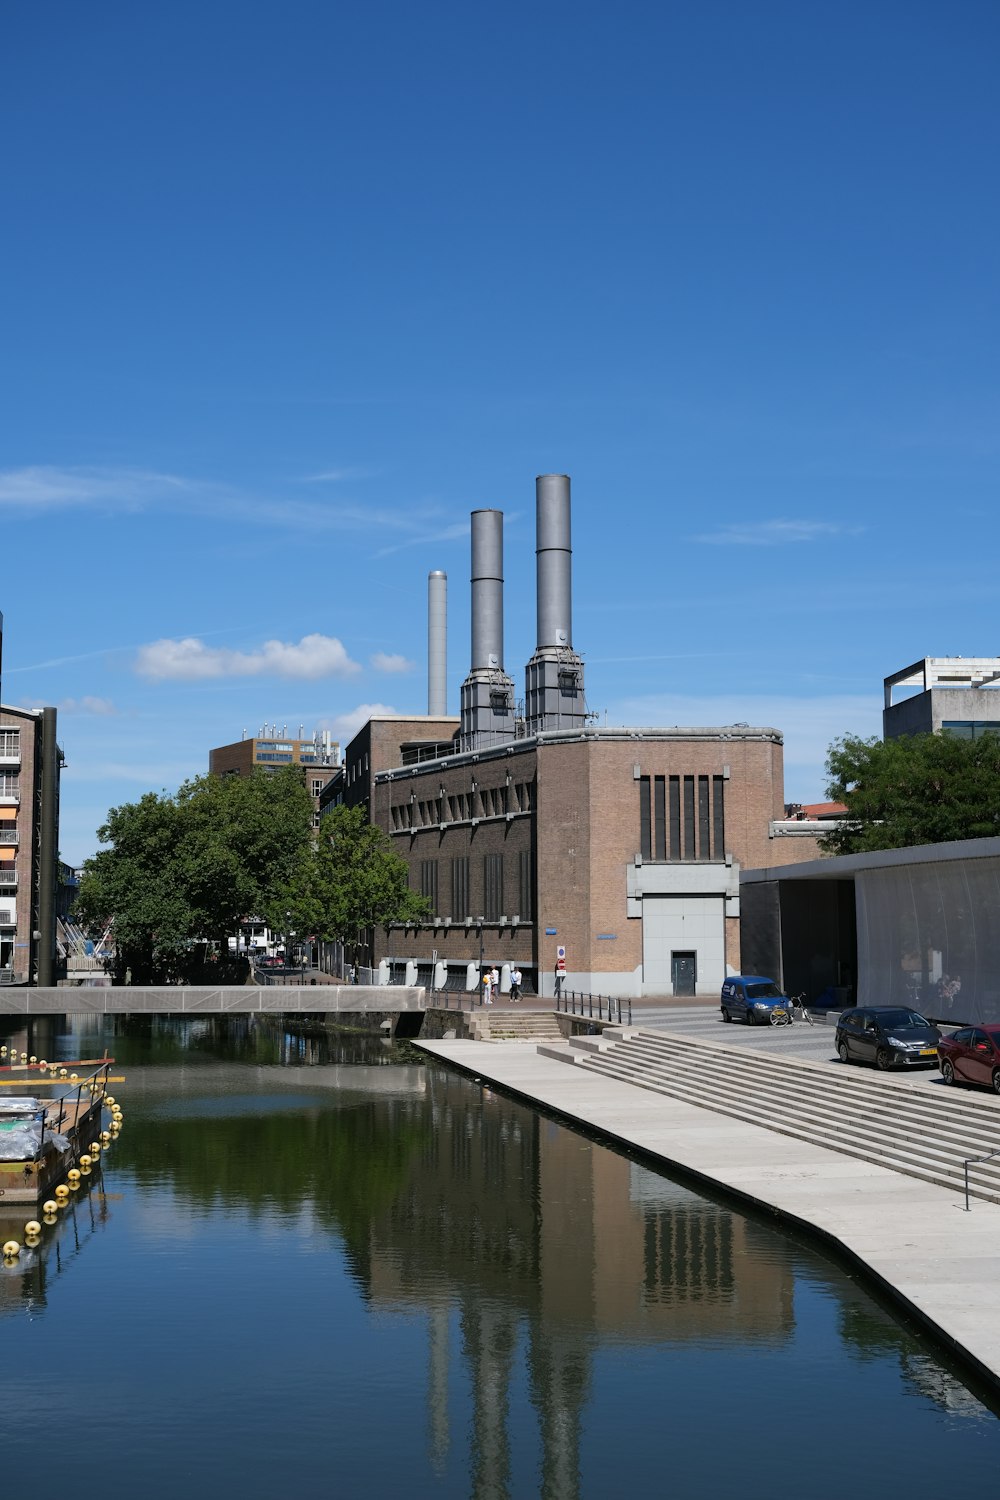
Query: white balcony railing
(8,835)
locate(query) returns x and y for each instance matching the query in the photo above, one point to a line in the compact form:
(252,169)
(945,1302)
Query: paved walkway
(915,1240)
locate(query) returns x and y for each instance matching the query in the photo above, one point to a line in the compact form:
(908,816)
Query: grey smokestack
(437,644)
(487,589)
(554,557)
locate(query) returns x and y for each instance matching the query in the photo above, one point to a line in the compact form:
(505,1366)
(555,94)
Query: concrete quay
(913,1239)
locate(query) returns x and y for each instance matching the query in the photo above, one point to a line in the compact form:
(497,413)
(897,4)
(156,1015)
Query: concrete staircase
(514,1026)
(923,1133)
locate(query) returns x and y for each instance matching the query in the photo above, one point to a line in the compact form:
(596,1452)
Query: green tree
(351,881)
(918,789)
(192,867)
(132,887)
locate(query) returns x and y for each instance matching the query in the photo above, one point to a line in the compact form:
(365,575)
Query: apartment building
(30,765)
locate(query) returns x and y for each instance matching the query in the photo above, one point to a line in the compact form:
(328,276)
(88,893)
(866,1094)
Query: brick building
(319,758)
(621,846)
(536,835)
(30,764)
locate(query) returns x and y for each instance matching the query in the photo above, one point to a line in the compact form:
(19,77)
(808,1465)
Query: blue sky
(290,289)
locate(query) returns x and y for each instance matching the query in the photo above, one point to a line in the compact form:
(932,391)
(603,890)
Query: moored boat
(42,1138)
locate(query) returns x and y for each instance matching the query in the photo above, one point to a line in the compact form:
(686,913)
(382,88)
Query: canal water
(323,1267)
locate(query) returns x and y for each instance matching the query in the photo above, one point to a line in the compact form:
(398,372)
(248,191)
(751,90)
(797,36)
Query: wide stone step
(881,1092)
(822,1128)
(982,1183)
(977,1134)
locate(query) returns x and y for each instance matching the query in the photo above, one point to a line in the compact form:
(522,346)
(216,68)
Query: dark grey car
(889,1036)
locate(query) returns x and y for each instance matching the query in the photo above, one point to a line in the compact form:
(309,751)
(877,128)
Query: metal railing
(971,1161)
(595,1007)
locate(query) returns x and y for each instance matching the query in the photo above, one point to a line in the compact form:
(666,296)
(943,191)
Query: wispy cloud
(97,708)
(43,488)
(772,533)
(336,476)
(383,662)
(190,660)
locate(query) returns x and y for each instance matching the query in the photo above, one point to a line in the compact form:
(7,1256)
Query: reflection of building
(548,1244)
(30,764)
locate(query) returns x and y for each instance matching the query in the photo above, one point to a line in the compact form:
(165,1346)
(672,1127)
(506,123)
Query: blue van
(756,1000)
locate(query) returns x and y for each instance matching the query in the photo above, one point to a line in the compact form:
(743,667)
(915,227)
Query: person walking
(488,987)
(515,984)
(494,982)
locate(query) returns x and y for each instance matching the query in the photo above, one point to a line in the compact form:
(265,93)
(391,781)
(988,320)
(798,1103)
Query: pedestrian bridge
(209,1000)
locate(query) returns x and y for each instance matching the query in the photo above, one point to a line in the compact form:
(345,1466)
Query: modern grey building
(916,927)
(957,695)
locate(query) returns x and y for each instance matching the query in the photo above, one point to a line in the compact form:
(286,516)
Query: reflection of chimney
(554,697)
(437,644)
(487,692)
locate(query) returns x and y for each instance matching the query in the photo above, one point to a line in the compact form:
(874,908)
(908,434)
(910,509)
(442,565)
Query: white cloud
(190,660)
(772,533)
(382,662)
(344,727)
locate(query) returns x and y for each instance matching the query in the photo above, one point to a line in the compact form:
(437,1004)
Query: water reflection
(549,1279)
(25,1282)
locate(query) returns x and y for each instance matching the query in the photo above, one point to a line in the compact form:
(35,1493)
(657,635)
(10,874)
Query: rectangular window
(675,817)
(704,835)
(526,905)
(10,742)
(429,882)
(659,832)
(317,786)
(645,816)
(689,825)
(718,817)
(459,889)
(493,887)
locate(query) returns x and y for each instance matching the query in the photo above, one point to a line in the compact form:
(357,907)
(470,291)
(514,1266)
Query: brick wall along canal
(317,1268)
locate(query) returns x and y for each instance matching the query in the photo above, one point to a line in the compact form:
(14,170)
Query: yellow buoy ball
(95,1148)
(63,1072)
(73,1174)
(48,1207)
(32,1059)
(105,1136)
(31,1241)
(3,1051)
(24,1057)
(32,1227)
(62,1191)
(49,1219)
(10,1249)
(43,1065)
(85,1161)
(85,1171)
(109,1100)
(74,1077)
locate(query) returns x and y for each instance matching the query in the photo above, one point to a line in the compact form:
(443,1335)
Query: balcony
(10,791)
(8,880)
(8,836)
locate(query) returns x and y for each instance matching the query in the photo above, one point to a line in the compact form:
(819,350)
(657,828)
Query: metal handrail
(971,1161)
(566,1001)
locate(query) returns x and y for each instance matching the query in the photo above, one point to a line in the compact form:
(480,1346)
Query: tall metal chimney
(554,696)
(487,692)
(554,560)
(437,644)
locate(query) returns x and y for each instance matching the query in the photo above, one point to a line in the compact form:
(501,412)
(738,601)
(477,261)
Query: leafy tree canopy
(918,789)
(193,866)
(351,881)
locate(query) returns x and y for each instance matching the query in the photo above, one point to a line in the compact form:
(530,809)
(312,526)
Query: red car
(971,1055)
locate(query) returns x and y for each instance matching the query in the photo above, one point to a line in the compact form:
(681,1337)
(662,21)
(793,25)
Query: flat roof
(844,866)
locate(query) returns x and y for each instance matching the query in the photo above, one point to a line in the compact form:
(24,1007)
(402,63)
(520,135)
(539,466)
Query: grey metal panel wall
(760,929)
(929,936)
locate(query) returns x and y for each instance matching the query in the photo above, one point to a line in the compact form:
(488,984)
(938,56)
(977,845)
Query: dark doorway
(683,972)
